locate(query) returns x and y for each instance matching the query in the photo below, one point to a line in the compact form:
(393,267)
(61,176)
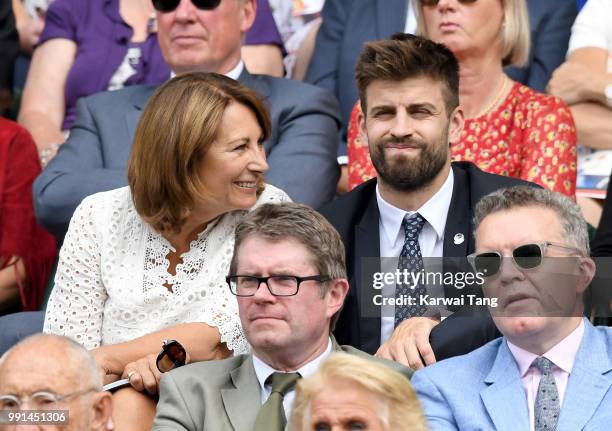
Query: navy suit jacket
(355,216)
(483,391)
(347,24)
(301,150)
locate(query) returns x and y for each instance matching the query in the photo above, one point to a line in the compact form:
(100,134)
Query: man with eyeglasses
(61,387)
(194,35)
(551,369)
(288,274)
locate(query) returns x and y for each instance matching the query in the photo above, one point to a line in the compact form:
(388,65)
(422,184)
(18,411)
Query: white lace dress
(109,286)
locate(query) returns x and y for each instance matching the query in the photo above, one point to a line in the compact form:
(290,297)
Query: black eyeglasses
(435,2)
(527,256)
(173,355)
(169,5)
(278,285)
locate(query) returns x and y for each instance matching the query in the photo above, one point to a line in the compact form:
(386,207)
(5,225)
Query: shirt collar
(263,370)
(562,354)
(434,211)
(234,73)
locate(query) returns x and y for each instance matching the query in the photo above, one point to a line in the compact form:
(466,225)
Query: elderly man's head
(48,372)
(288,322)
(532,246)
(193,38)
(349,392)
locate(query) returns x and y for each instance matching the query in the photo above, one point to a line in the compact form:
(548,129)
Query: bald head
(56,355)
(50,363)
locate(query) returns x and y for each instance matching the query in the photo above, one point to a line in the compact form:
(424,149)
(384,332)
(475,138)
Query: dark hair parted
(177,127)
(406,56)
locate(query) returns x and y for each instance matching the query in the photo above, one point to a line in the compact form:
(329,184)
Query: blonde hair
(179,123)
(515,31)
(400,408)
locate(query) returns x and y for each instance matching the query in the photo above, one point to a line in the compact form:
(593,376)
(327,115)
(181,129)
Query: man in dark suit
(288,273)
(409,95)
(347,24)
(304,118)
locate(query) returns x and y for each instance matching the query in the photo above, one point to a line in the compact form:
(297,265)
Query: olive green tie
(271,416)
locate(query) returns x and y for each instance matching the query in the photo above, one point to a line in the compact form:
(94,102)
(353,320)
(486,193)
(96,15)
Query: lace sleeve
(76,304)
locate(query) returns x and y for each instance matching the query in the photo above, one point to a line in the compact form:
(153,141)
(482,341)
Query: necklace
(497,99)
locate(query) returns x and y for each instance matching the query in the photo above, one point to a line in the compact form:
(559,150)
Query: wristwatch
(608,93)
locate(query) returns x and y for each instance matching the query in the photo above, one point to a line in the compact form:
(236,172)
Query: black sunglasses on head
(173,355)
(170,5)
(527,256)
(435,2)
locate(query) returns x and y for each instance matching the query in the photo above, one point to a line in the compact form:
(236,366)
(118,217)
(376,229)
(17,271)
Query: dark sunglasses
(170,5)
(173,355)
(435,2)
(527,256)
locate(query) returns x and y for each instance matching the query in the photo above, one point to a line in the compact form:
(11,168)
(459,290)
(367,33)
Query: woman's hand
(143,374)
(111,369)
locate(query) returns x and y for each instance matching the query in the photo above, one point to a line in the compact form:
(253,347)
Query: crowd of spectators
(149,163)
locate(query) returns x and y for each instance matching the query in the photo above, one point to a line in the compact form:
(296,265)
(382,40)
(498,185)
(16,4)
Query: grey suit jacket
(219,395)
(301,151)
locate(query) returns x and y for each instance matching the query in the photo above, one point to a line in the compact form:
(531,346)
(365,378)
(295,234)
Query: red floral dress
(531,136)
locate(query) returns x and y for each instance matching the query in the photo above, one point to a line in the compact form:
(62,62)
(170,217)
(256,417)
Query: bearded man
(409,93)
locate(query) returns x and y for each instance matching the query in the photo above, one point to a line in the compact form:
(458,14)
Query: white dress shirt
(562,355)
(431,239)
(263,371)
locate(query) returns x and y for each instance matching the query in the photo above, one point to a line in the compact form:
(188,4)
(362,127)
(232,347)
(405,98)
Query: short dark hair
(405,56)
(179,123)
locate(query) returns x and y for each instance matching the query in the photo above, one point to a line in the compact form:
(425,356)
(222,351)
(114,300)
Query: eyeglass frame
(542,245)
(431,3)
(57,398)
(320,278)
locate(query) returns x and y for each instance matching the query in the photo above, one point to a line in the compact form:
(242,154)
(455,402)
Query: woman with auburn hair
(146,263)
(354,392)
(510,129)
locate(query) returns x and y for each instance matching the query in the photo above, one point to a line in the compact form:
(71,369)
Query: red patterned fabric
(531,136)
(20,234)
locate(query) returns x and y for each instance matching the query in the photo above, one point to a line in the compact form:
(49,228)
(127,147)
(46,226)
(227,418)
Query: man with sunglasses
(551,369)
(63,386)
(194,35)
(409,95)
(288,274)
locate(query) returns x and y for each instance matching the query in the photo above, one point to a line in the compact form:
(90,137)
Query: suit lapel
(138,102)
(589,381)
(390,17)
(458,239)
(243,401)
(504,399)
(367,245)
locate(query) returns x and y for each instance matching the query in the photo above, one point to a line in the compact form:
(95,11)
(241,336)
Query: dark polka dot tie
(547,407)
(410,260)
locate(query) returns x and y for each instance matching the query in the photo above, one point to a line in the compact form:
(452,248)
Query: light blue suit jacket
(483,391)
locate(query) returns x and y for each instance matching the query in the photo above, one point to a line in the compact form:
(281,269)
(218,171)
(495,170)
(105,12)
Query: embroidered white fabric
(109,287)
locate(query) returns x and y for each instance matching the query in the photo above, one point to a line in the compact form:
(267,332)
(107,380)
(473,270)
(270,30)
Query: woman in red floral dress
(509,129)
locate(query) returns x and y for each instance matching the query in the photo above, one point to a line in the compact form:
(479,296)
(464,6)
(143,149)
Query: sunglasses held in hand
(172,355)
(169,5)
(527,256)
